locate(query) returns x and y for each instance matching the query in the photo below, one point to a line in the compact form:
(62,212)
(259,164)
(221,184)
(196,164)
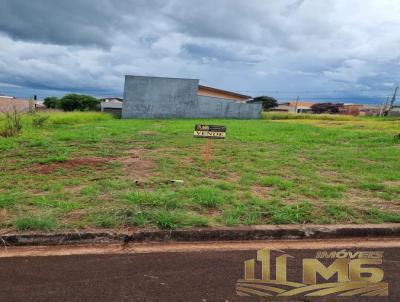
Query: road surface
(166,272)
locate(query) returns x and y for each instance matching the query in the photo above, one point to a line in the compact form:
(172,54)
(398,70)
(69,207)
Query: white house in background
(295,107)
(112,105)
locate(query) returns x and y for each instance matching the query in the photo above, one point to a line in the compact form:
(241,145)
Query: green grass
(68,118)
(296,213)
(43,223)
(294,116)
(90,170)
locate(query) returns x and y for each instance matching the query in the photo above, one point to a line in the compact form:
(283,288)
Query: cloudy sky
(348,49)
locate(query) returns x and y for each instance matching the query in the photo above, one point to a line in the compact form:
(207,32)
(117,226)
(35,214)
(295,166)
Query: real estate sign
(209,131)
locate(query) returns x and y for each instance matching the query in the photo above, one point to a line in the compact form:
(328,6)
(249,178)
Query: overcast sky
(285,48)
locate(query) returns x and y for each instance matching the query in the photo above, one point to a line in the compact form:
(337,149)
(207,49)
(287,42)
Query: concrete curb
(264,232)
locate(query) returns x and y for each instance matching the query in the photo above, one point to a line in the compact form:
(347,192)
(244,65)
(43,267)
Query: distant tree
(51,102)
(267,102)
(326,108)
(80,102)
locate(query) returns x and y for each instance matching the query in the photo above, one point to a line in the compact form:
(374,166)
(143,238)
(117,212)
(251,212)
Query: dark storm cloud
(71,22)
(252,45)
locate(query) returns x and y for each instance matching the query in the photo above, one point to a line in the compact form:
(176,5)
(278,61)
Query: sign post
(209,132)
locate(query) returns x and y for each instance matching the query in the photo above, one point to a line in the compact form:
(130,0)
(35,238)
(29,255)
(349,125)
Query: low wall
(210,107)
(154,97)
(11,105)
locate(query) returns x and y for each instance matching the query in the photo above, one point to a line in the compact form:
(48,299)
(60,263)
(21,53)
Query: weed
(12,123)
(252,217)
(372,186)
(140,219)
(167,219)
(297,213)
(8,200)
(110,218)
(377,216)
(340,212)
(153,199)
(205,196)
(276,181)
(29,222)
(39,120)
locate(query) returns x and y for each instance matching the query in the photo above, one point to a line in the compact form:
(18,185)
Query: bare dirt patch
(187,161)
(148,133)
(75,215)
(233,177)
(69,165)
(261,192)
(74,189)
(388,206)
(329,174)
(136,166)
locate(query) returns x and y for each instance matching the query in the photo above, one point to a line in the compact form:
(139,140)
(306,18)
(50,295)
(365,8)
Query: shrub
(38,121)
(12,123)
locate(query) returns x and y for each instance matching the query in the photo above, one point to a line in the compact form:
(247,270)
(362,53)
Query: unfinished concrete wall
(154,97)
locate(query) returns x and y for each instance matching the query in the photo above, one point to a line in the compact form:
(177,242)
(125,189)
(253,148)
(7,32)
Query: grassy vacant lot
(88,170)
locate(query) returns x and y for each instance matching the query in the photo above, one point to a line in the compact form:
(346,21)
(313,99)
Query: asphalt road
(165,272)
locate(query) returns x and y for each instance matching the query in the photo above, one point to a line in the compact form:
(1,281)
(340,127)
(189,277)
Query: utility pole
(384,105)
(295,106)
(392,102)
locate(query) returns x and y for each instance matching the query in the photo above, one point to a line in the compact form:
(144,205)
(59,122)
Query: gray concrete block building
(158,97)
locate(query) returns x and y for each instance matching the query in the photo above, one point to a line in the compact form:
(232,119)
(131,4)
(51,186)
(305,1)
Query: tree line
(73,102)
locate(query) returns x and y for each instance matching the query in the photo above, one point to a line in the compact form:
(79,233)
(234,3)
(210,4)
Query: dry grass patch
(73,189)
(359,199)
(136,166)
(148,133)
(3,214)
(392,183)
(261,192)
